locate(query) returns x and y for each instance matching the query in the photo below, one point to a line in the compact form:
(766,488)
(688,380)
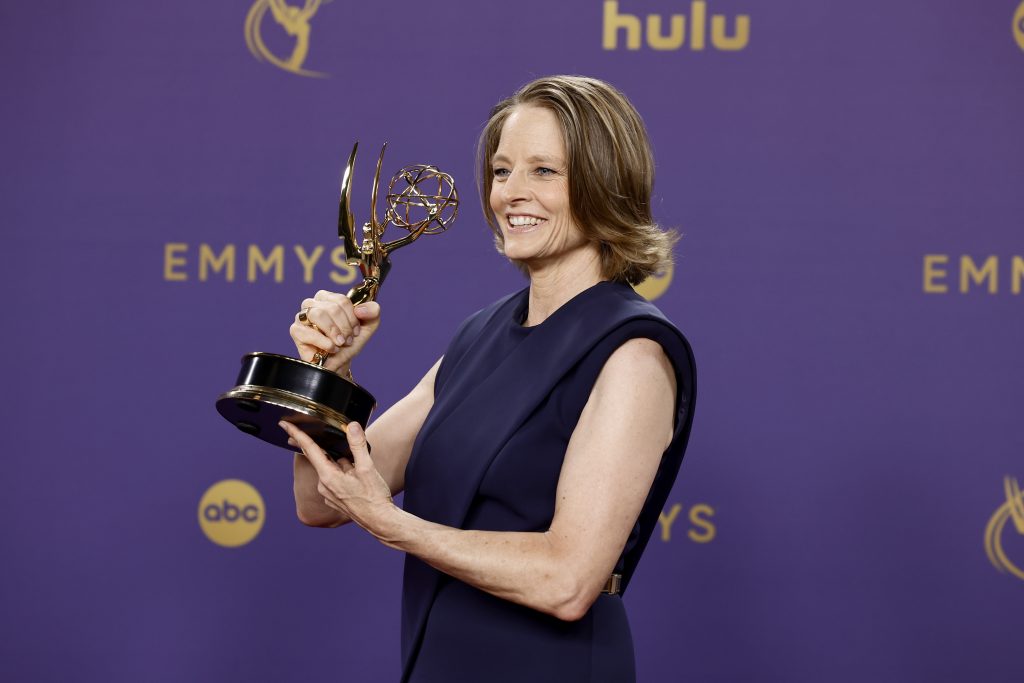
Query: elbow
(573,611)
(570,601)
(317,520)
(567,590)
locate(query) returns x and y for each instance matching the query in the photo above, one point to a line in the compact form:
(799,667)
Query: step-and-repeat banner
(848,181)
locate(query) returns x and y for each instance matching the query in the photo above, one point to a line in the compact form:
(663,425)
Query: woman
(538,452)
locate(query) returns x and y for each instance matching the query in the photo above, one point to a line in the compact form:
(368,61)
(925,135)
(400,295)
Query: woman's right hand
(342,329)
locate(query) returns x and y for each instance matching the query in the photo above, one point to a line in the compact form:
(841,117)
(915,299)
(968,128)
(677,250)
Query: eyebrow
(536,158)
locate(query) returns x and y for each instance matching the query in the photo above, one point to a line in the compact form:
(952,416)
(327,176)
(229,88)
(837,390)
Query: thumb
(368,314)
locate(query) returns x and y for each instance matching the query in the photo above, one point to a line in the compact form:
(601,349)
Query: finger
(311,315)
(316,456)
(343,315)
(340,308)
(369,318)
(323,295)
(344,464)
(357,444)
(335,324)
(331,323)
(346,307)
(313,337)
(311,341)
(367,311)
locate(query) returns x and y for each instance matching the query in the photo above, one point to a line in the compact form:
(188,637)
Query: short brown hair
(610,171)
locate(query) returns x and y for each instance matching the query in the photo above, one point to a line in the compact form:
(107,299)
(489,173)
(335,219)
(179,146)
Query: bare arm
(392,436)
(609,467)
(336,327)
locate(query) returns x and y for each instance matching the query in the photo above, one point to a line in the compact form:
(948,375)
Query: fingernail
(355,332)
(340,340)
(282,424)
(348,342)
(292,442)
(361,308)
(354,429)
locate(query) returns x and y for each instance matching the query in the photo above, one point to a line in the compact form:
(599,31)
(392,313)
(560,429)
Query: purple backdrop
(833,168)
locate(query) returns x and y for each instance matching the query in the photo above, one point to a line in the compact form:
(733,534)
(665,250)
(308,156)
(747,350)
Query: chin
(514,247)
(518,252)
(519,258)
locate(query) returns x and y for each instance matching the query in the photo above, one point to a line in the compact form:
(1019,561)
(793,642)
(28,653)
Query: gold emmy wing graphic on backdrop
(1018,26)
(1013,509)
(295,22)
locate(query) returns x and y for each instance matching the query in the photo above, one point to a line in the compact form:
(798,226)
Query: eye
(501,173)
(544,170)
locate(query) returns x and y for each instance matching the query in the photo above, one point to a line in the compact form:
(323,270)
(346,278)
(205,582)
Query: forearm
(310,507)
(534,569)
(391,447)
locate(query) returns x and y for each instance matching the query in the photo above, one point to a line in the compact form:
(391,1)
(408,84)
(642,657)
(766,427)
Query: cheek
(566,235)
(495,198)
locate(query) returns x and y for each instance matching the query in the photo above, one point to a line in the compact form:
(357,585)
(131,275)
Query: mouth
(520,223)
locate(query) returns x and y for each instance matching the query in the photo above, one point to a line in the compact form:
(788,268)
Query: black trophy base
(272,388)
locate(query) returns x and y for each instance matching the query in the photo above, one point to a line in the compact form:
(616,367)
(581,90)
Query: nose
(514,189)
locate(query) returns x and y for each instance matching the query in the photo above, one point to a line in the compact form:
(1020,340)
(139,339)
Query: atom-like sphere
(422,199)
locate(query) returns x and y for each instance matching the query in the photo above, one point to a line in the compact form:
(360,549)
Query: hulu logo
(676,35)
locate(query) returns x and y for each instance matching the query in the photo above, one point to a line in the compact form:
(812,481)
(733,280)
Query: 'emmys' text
(944,273)
(183,262)
(700,528)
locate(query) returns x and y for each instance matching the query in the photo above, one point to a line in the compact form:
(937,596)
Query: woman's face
(530,188)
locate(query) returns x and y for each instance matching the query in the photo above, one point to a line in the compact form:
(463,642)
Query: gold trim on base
(289,400)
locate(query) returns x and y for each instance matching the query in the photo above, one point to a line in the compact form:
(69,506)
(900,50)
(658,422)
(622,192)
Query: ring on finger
(305,319)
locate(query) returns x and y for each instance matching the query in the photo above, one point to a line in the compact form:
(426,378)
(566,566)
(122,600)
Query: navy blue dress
(506,401)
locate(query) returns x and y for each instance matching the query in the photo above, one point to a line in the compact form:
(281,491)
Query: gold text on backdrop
(702,528)
(254,263)
(677,35)
(974,274)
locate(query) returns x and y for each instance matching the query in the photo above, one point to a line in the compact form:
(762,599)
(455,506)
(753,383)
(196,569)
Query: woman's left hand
(356,488)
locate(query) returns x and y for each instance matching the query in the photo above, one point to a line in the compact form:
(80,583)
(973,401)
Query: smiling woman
(530,193)
(537,454)
(586,134)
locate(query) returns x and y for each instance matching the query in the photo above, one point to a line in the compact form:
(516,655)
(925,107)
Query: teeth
(524,220)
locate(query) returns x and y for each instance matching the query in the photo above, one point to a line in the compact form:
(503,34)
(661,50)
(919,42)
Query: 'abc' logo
(231,513)
(1018,25)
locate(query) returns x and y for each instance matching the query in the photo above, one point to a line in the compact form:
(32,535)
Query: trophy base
(256,408)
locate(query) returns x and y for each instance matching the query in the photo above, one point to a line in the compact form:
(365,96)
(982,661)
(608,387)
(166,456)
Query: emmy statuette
(270,387)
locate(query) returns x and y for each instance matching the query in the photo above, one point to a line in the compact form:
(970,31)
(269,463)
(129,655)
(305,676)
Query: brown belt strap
(613,586)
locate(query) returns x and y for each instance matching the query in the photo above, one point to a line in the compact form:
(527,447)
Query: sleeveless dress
(506,401)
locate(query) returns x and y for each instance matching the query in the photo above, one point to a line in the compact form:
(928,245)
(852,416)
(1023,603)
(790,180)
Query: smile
(521,224)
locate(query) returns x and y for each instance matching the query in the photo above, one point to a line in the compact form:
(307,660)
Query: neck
(553,284)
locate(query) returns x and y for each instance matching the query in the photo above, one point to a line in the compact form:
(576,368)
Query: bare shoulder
(637,361)
(637,385)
